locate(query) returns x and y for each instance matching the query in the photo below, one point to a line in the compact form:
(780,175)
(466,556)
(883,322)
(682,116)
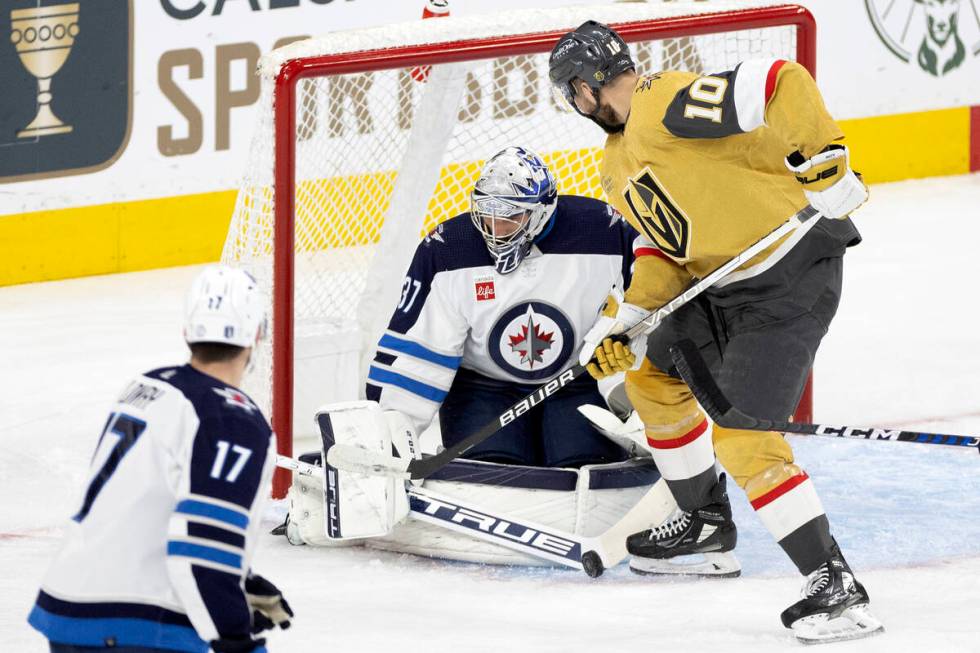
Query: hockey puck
(592,564)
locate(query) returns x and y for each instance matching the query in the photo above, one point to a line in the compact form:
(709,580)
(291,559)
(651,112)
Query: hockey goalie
(495,303)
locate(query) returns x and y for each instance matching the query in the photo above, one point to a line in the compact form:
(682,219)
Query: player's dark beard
(603,116)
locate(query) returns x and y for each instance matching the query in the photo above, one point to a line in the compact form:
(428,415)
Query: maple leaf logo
(531,342)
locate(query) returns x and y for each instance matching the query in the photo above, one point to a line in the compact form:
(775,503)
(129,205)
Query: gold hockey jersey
(699,171)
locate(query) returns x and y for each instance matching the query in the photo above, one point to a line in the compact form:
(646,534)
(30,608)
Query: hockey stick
(355,459)
(696,374)
(590,554)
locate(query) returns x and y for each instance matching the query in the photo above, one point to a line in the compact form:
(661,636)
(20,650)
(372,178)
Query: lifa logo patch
(67,106)
(485,290)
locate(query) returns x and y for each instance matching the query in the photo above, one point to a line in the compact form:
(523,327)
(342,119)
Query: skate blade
(853,623)
(704,565)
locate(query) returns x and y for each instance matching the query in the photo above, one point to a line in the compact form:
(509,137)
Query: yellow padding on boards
(909,145)
(108,238)
(145,234)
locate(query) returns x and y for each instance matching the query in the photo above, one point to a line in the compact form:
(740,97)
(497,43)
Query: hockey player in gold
(704,166)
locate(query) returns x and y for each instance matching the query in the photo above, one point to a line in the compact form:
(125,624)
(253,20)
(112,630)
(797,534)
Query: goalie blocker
(360,505)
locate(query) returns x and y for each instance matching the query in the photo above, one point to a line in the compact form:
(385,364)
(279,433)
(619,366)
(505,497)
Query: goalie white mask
(512,203)
(225,305)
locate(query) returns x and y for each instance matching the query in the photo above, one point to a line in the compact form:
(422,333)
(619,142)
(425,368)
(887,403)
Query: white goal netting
(384,154)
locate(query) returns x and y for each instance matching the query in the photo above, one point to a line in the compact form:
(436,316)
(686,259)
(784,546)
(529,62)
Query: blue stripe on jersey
(415,387)
(389,341)
(201,552)
(202,509)
(126,632)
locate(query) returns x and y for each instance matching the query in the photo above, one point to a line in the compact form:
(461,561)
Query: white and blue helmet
(511,204)
(225,305)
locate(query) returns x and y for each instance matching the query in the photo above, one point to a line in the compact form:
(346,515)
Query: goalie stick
(591,554)
(696,374)
(355,459)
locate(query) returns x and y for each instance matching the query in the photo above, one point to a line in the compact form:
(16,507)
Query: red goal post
(324,231)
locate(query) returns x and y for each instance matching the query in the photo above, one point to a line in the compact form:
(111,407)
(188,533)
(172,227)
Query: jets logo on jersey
(435,235)
(658,216)
(615,217)
(531,341)
(236,398)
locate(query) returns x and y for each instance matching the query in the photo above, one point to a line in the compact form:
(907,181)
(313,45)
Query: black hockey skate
(834,606)
(697,543)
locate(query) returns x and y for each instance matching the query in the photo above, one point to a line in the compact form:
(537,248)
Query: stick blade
(362,461)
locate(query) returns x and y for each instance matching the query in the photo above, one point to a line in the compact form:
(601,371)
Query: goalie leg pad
(361,505)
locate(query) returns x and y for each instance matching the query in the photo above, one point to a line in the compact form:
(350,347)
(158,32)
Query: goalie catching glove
(602,354)
(269,608)
(828,181)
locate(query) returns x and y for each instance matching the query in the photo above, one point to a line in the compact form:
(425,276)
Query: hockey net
(368,139)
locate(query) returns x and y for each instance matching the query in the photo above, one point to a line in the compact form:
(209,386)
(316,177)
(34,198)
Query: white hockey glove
(612,355)
(364,505)
(828,181)
(269,608)
(629,433)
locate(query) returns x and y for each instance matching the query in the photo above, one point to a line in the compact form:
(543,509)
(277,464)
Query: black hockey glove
(236,645)
(269,608)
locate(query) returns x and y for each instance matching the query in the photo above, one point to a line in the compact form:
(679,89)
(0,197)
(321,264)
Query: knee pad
(757,460)
(665,404)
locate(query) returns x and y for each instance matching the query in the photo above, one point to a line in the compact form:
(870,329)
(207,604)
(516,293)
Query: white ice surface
(903,351)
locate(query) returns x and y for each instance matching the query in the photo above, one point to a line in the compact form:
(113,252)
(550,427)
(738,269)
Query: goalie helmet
(512,203)
(591,52)
(225,305)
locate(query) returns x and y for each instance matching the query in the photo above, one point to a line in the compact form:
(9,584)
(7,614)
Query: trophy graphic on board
(43,37)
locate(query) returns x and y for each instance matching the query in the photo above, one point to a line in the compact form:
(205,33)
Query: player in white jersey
(157,556)
(496,302)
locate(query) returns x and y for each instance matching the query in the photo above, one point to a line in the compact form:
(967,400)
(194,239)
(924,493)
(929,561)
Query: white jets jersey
(456,310)
(161,542)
